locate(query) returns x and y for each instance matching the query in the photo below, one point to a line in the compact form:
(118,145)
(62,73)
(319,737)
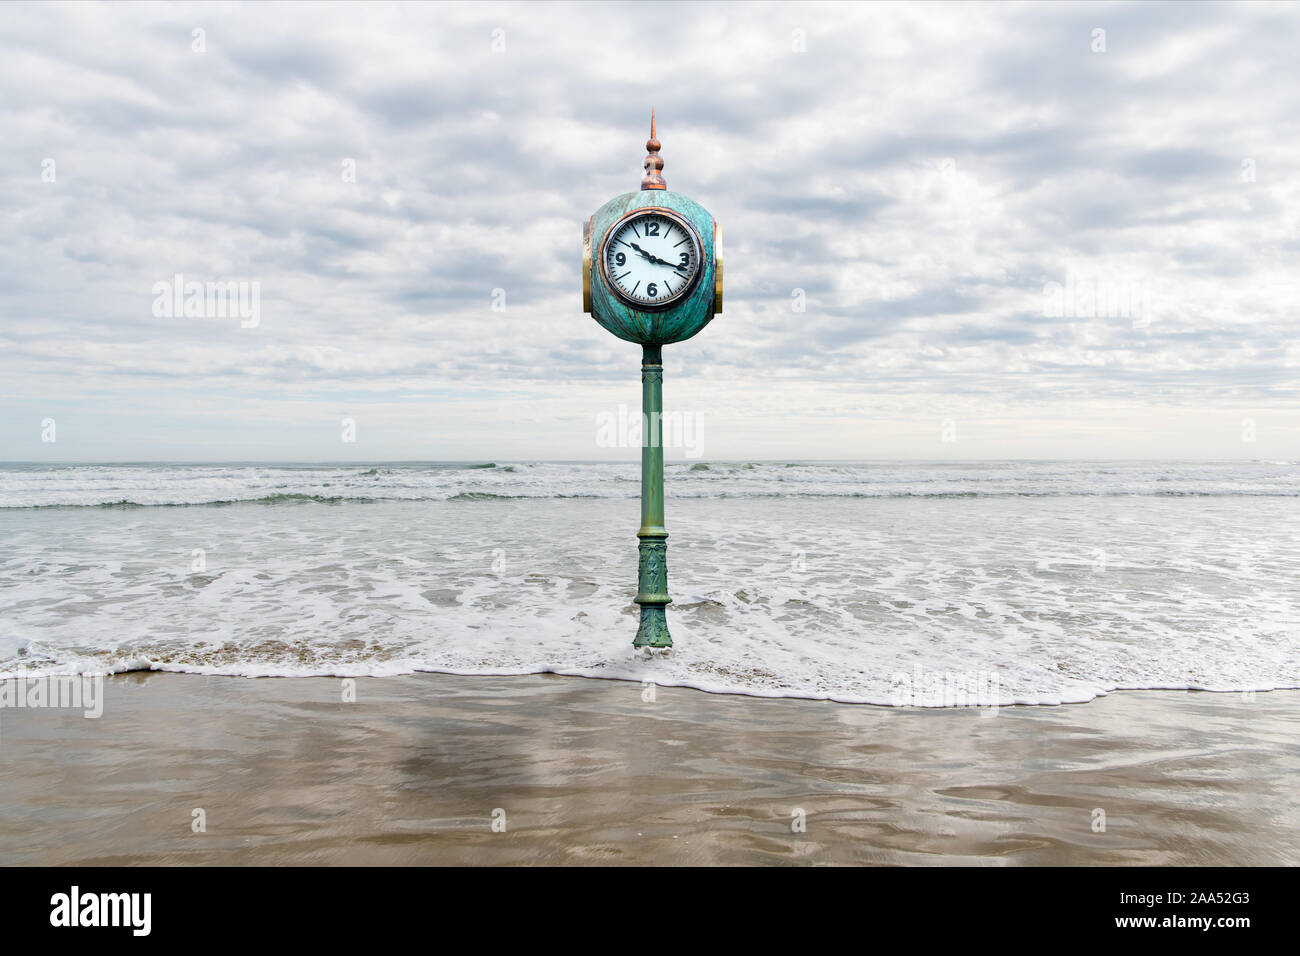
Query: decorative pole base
(652,594)
(653,631)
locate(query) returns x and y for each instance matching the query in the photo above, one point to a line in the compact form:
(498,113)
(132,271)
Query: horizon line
(610,461)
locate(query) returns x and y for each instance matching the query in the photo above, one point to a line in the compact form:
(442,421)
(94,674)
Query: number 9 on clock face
(651,258)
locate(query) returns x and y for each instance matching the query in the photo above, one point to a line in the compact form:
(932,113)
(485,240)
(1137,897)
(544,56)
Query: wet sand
(586,772)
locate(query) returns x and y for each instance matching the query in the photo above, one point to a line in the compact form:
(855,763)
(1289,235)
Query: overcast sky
(949,186)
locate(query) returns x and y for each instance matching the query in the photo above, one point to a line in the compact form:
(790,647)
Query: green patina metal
(652,566)
(684,318)
(652,328)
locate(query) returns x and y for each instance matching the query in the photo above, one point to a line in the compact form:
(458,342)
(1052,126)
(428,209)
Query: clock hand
(650,257)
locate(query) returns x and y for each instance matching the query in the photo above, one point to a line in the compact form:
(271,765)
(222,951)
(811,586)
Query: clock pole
(652,564)
(661,315)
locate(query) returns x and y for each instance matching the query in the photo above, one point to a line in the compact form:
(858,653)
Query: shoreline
(285,771)
(754,693)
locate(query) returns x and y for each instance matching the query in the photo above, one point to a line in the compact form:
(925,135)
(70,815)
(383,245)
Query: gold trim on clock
(586,265)
(717,268)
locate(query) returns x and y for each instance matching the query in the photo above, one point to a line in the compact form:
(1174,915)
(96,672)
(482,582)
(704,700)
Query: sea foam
(880,583)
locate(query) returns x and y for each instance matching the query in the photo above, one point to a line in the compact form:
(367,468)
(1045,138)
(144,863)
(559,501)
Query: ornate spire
(653,161)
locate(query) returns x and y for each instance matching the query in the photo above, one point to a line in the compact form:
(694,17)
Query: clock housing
(647,322)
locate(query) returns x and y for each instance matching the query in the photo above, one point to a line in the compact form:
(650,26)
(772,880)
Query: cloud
(921,172)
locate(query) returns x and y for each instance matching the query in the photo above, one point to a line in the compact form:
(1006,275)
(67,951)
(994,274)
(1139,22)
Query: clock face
(651,258)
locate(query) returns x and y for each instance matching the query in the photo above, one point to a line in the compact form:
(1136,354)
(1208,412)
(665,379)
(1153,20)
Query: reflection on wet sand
(587,771)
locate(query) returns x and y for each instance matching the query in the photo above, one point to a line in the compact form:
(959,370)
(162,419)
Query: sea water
(880,582)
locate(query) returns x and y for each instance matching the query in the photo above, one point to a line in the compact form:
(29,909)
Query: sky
(951,231)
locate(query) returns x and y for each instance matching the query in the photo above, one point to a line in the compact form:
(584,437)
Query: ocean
(897,583)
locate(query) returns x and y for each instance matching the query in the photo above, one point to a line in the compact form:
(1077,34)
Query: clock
(651,258)
(652,274)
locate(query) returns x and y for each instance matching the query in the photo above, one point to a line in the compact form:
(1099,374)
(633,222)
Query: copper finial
(653,161)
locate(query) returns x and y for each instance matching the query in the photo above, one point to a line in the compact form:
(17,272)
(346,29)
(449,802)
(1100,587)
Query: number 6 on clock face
(651,258)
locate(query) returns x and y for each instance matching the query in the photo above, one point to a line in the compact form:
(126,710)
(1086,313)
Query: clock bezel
(681,293)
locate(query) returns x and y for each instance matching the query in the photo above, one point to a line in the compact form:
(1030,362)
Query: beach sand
(587,772)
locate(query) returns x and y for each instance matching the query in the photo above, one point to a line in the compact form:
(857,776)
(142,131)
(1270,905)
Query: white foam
(98,485)
(1057,598)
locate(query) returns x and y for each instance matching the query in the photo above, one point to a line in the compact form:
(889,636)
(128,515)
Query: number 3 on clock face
(651,258)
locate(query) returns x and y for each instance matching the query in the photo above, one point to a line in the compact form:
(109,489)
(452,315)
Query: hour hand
(651,257)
